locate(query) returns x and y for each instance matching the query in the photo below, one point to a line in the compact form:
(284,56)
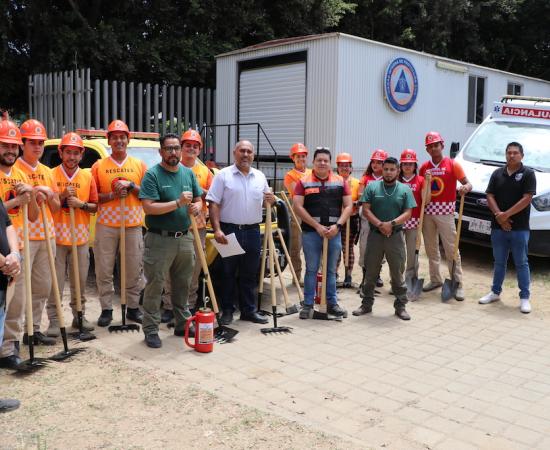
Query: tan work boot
(86,326)
(53,329)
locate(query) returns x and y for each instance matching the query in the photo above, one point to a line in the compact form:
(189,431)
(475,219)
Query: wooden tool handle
(122,247)
(51,262)
(427,187)
(458,227)
(204,264)
(74,259)
(294,276)
(268,230)
(279,273)
(289,206)
(27,275)
(324,274)
(346,248)
(263,258)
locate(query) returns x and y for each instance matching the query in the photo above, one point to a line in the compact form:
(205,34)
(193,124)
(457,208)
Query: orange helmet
(343,158)
(191,135)
(73,140)
(379,155)
(9,133)
(432,137)
(408,156)
(297,149)
(118,125)
(33,129)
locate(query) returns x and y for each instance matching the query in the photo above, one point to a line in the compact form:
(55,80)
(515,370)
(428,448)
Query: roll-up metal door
(274,96)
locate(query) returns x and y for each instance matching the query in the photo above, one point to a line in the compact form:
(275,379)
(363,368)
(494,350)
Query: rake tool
(322,313)
(222,334)
(449,288)
(79,335)
(32,364)
(66,353)
(262,267)
(289,206)
(275,328)
(292,309)
(294,276)
(124,326)
(415,284)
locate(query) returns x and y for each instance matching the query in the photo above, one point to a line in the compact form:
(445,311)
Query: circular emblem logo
(12,133)
(401,84)
(437,186)
(38,130)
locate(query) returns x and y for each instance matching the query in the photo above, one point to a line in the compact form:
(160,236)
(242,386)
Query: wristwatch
(84,206)
(339,225)
(393,223)
(132,186)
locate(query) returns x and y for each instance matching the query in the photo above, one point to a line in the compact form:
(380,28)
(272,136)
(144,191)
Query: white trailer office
(353,94)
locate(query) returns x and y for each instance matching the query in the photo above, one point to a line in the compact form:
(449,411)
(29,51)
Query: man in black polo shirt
(509,194)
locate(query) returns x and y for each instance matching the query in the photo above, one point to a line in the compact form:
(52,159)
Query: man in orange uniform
(439,218)
(298,154)
(15,193)
(344,168)
(33,134)
(191,144)
(118,176)
(77,190)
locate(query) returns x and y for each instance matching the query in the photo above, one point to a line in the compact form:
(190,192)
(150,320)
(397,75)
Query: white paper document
(232,247)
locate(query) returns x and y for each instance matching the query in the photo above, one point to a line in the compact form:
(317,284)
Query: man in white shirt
(236,197)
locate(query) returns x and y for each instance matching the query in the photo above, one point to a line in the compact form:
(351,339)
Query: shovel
(222,334)
(415,284)
(294,276)
(66,353)
(123,326)
(293,309)
(322,313)
(31,364)
(79,335)
(449,288)
(262,266)
(275,329)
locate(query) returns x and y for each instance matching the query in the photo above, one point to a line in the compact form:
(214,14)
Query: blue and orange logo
(401,84)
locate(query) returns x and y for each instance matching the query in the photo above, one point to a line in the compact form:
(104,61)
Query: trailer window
(476,99)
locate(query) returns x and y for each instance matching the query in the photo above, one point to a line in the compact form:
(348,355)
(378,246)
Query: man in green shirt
(387,204)
(169,193)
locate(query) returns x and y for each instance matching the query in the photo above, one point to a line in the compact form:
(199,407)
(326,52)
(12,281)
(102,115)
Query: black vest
(323,199)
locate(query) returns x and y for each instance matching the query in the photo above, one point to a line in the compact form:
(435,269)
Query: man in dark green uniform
(169,193)
(387,204)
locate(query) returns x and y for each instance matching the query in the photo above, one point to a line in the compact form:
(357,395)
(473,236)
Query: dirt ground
(97,401)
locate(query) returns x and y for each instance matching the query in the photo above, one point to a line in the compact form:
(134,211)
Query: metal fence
(65,101)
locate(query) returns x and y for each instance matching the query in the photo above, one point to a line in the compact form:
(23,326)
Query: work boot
(86,325)
(226,318)
(10,362)
(347,282)
(306,312)
(362,310)
(53,329)
(8,404)
(337,310)
(181,332)
(39,339)
(153,340)
(167,316)
(379,282)
(402,313)
(105,318)
(134,314)
(431,286)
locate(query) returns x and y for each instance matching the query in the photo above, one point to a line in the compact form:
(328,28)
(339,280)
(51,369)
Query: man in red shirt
(439,218)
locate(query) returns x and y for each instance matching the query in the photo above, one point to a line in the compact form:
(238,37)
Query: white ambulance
(521,119)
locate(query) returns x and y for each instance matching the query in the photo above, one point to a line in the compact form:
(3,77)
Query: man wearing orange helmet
(344,168)
(118,176)
(33,134)
(439,220)
(77,190)
(191,143)
(298,154)
(14,192)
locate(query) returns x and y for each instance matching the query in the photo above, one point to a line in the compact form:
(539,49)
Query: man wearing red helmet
(344,168)
(439,219)
(118,176)
(298,154)
(408,175)
(77,190)
(33,134)
(14,192)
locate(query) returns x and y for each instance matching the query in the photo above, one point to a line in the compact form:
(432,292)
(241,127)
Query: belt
(241,227)
(164,233)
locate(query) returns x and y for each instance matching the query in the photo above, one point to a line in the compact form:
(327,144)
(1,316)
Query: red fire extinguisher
(204,330)
(319,287)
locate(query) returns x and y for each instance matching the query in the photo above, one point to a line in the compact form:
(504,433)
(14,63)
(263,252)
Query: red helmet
(73,140)
(297,149)
(343,158)
(9,133)
(118,125)
(33,129)
(191,135)
(408,156)
(432,137)
(379,155)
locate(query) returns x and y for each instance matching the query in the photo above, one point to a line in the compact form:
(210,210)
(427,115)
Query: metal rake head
(276,330)
(31,365)
(127,327)
(224,335)
(66,354)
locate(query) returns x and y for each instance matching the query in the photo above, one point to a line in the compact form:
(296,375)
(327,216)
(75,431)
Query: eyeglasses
(172,149)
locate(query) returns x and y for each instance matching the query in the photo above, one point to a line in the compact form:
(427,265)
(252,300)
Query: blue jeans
(2,315)
(245,267)
(312,244)
(503,243)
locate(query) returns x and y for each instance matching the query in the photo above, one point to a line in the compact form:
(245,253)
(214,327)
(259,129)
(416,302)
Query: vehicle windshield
(490,141)
(149,155)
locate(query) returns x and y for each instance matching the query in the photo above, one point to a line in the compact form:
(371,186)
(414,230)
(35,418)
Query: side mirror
(455,148)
